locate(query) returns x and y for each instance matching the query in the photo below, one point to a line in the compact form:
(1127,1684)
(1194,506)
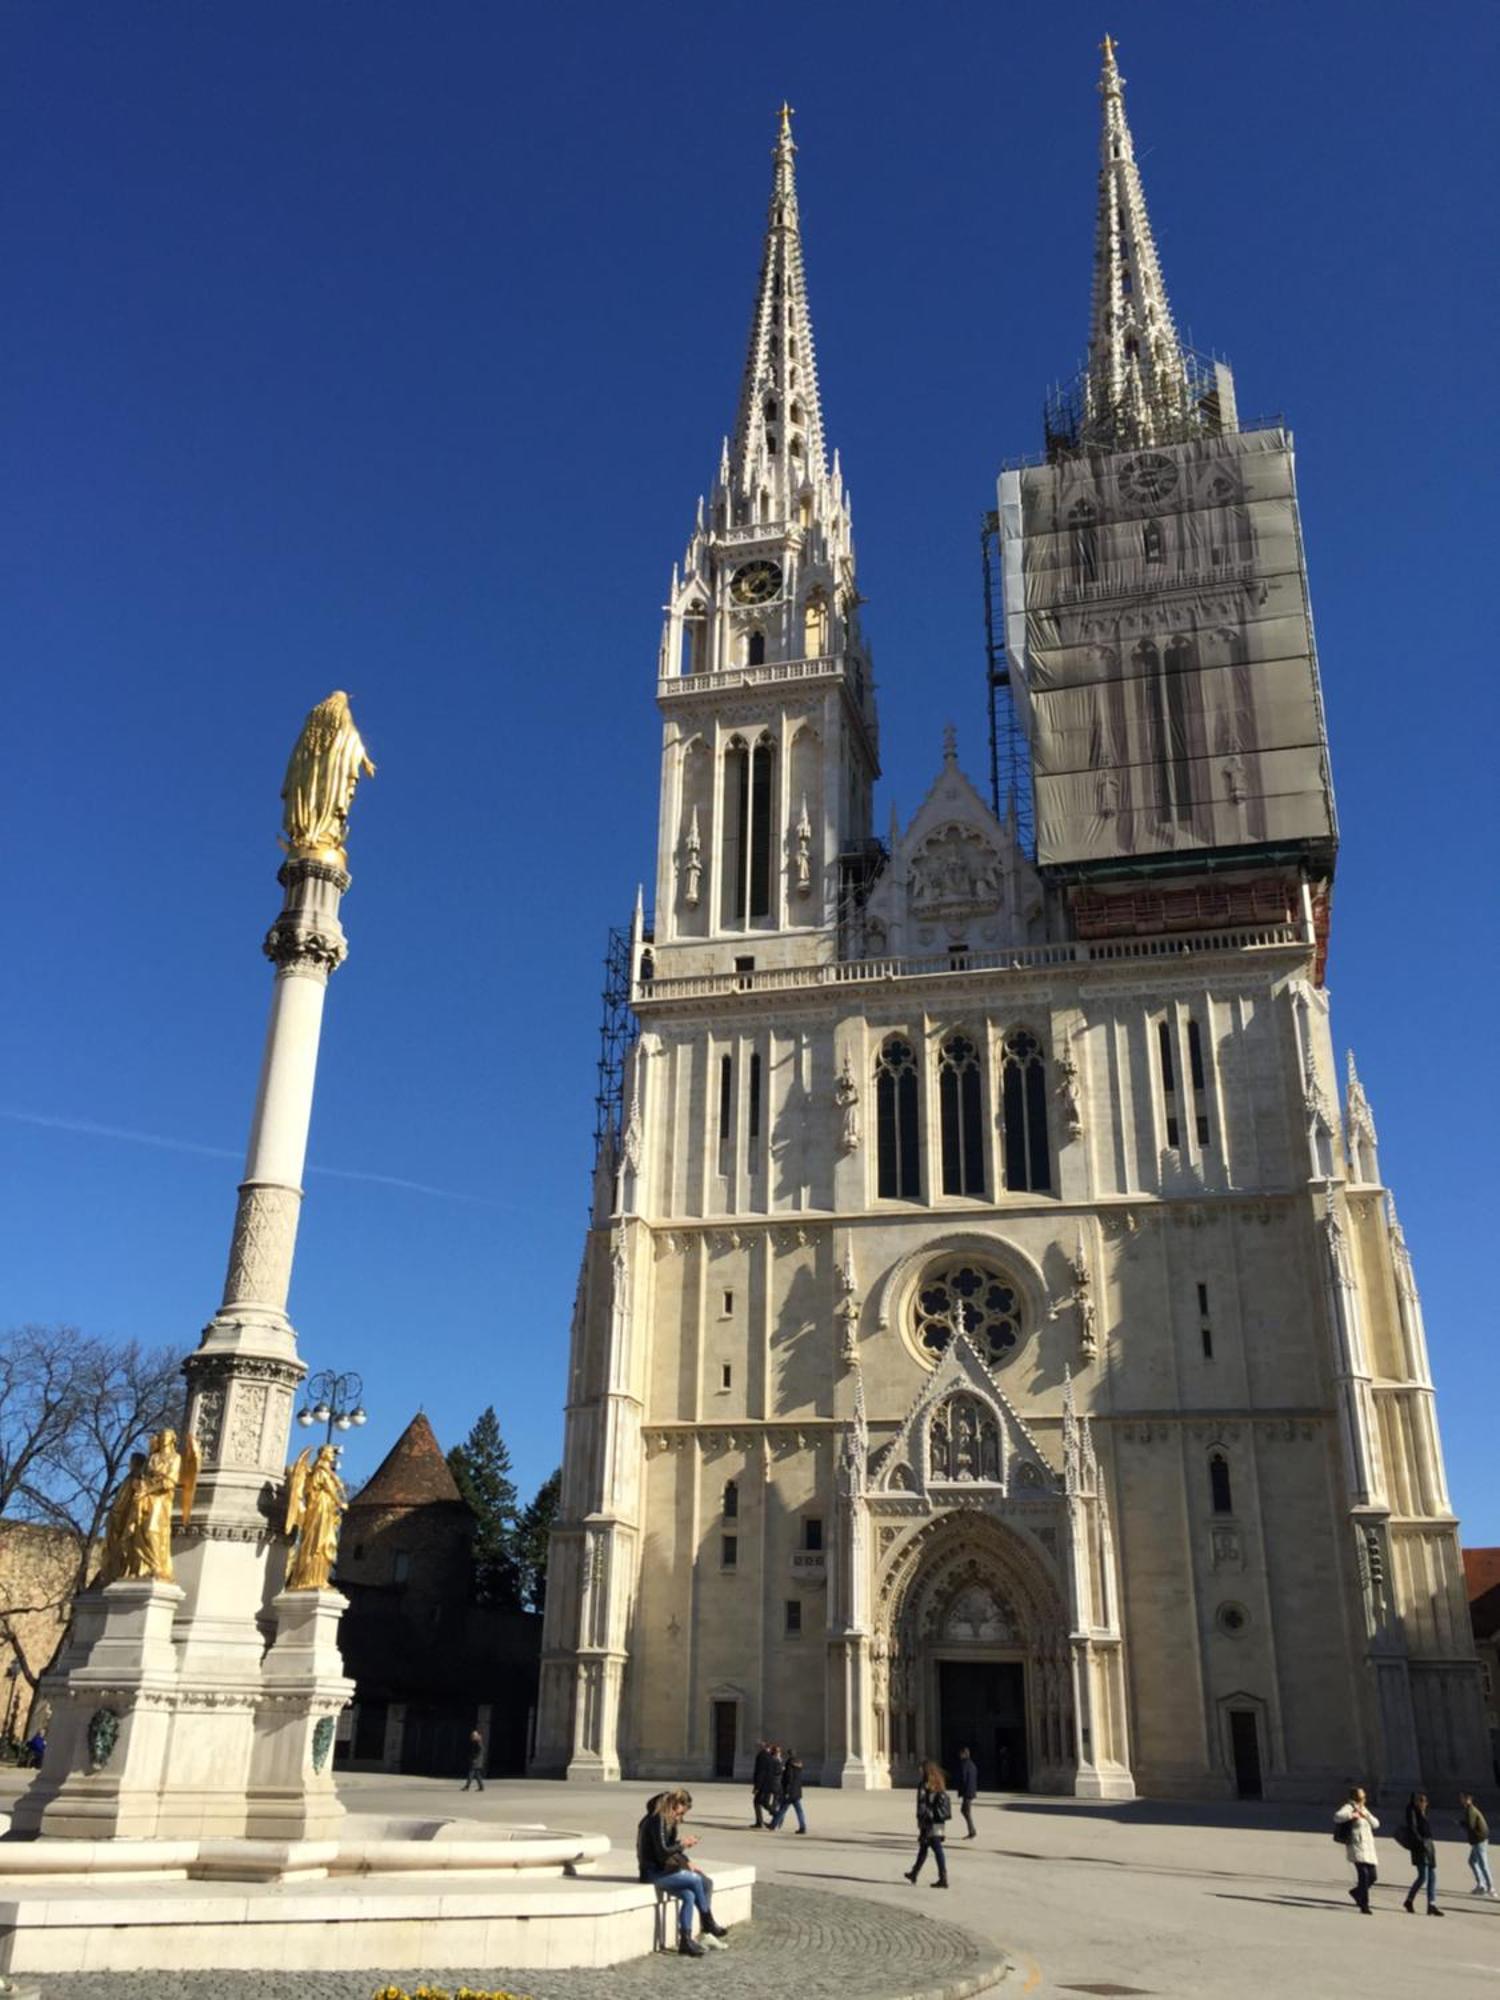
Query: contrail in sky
(88,1128)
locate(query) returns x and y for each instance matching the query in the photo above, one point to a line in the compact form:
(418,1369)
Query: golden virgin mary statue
(326,764)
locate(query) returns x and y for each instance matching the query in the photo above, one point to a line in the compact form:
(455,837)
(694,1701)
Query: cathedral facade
(993,1328)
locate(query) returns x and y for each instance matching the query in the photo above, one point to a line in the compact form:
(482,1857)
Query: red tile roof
(1481,1571)
(413,1472)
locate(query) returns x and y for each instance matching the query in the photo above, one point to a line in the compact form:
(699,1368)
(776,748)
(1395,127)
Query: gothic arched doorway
(973,1649)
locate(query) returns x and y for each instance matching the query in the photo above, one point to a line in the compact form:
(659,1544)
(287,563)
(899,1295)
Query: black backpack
(942,1811)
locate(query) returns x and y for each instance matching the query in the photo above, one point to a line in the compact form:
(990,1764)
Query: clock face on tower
(755,583)
(1149,476)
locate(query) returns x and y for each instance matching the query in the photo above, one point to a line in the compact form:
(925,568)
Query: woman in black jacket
(1423,1851)
(791,1793)
(933,1814)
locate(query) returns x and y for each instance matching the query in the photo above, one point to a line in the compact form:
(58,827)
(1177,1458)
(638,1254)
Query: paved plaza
(1066,1897)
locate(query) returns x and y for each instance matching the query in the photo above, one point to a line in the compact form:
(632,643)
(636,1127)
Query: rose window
(966,1298)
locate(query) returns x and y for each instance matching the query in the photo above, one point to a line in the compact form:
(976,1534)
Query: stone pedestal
(113,1699)
(291,1793)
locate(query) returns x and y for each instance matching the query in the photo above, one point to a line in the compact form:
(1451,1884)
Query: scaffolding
(617,1030)
(860,867)
(1010,760)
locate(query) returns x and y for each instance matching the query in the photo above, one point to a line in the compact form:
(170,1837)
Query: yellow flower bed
(442,1993)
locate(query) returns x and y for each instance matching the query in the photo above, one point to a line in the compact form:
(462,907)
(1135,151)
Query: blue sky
(388,347)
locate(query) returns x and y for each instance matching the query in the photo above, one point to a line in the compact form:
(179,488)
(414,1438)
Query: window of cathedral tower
(961,1112)
(1028,1153)
(1221,1495)
(897,1133)
(969,1297)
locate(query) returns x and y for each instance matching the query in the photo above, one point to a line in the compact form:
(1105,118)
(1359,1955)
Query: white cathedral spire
(1137,387)
(778,432)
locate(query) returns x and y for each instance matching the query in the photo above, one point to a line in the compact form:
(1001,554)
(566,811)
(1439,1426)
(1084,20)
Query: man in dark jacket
(968,1785)
(771,1796)
(759,1776)
(791,1794)
(661,1858)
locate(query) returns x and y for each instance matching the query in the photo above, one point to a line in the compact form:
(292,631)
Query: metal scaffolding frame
(617,1030)
(1010,758)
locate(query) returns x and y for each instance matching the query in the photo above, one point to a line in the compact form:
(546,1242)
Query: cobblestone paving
(802,1941)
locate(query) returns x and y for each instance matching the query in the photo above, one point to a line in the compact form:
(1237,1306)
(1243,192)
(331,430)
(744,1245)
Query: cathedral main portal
(982,1706)
(976,1654)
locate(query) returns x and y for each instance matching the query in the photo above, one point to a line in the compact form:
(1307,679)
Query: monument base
(112,1698)
(437,1897)
(291,1793)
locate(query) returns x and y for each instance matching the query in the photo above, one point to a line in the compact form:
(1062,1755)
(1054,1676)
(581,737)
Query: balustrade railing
(1020,958)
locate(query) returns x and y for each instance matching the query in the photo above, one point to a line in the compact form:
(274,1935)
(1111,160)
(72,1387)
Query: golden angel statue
(138,1533)
(326,765)
(315,1505)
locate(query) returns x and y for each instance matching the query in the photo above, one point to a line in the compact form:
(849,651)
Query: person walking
(934,1810)
(770,1798)
(475,1773)
(759,1775)
(1360,1842)
(968,1785)
(791,1793)
(661,1859)
(37,1745)
(1477,1832)
(1422,1848)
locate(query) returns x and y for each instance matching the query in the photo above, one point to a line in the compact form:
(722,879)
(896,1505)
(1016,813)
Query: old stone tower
(992,1328)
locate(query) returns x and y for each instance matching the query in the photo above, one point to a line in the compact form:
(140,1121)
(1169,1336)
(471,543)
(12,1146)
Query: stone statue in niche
(847,1311)
(802,852)
(1081,1298)
(846,1096)
(692,863)
(939,1459)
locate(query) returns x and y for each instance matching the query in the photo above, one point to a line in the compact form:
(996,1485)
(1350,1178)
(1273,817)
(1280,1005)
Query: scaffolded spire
(1137,389)
(778,434)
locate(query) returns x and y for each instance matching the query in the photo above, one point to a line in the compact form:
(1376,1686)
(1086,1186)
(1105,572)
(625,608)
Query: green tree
(531,1541)
(481,1468)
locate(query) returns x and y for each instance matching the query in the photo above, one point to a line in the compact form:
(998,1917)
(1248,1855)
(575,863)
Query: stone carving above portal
(954,873)
(977,1615)
(962,1435)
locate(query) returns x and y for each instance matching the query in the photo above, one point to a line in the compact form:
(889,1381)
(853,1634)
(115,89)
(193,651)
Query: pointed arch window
(815,625)
(755,649)
(1151,540)
(897,1139)
(731,1508)
(961,1109)
(749,790)
(1219,1492)
(1028,1156)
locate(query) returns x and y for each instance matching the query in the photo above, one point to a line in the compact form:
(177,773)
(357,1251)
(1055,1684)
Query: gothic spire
(778,433)
(1137,388)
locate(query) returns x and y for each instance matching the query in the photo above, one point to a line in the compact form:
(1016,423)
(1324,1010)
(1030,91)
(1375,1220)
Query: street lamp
(332,1400)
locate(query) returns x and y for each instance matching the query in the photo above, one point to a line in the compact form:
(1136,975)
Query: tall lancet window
(1083,525)
(961,1105)
(749,794)
(1028,1159)
(897,1142)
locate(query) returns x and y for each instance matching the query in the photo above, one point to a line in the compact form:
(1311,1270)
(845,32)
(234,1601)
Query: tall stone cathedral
(992,1328)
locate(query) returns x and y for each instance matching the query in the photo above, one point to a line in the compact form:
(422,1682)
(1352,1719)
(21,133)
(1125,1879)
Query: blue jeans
(790,1805)
(1426,1864)
(931,1843)
(692,1890)
(1479,1866)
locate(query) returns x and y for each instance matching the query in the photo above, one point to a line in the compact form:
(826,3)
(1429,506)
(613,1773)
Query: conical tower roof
(413,1473)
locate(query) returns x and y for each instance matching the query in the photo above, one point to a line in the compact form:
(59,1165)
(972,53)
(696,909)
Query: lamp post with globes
(332,1400)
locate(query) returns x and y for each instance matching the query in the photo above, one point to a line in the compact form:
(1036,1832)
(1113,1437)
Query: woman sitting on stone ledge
(661,1855)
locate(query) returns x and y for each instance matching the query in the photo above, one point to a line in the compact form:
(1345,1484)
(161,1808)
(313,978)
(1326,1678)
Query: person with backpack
(1477,1832)
(791,1794)
(934,1810)
(1416,1838)
(1354,1827)
(760,1771)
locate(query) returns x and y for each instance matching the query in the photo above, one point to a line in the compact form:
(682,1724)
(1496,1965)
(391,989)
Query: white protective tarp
(1160,650)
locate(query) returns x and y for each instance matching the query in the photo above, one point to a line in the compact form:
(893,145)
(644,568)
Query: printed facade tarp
(1161,652)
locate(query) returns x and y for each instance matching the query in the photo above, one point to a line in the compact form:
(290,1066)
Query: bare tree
(72,1409)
